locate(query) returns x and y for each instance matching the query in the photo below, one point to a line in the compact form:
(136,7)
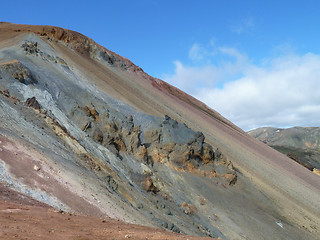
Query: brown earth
(22,217)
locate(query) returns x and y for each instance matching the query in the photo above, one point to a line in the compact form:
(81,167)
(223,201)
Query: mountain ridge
(299,143)
(137,148)
(88,47)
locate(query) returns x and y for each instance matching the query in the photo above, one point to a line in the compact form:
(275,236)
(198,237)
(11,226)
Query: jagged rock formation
(84,129)
(17,71)
(163,141)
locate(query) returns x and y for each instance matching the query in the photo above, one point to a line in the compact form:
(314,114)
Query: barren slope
(22,217)
(94,126)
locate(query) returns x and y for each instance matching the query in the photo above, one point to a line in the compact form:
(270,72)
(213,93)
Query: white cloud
(197,53)
(244,25)
(283,92)
(190,78)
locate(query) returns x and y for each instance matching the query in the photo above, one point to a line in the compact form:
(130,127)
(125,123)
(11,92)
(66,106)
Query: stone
(131,139)
(188,208)
(141,153)
(218,153)
(207,153)
(118,142)
(231,178)
(87,111)
(31,48)
(205,230)
(112,183)
(148,185)
(36,168)
(86,126)
(32,102)
(90,111)
(6,93)
(152,136)
(18,71)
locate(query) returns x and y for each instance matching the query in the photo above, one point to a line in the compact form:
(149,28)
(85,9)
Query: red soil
(24,218)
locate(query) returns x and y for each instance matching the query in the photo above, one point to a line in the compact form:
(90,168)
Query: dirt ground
(24,218)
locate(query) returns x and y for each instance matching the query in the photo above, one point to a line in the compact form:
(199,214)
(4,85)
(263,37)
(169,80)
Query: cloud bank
(280,92)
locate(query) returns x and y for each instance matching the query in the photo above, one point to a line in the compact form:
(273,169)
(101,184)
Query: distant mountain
(86,131)
(300,143)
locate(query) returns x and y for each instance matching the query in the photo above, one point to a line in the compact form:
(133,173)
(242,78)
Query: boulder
(85,126)
(32,102)
(188,208)
(149,186)
(18,71)
(207,154)
(91,111)
(31,48)
(231,178)
(141,153)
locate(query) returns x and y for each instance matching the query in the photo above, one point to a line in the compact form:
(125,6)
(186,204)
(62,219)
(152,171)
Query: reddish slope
(24,218)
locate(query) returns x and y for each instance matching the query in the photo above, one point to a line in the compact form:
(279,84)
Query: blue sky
(257,63)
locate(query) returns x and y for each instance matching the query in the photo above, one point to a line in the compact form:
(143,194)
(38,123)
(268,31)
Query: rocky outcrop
(33,49)
(149,186)
(164,141)
(16,70)
(32,102)
(123,136)
(188,208)
(7,94)
(77,42)
(177,144)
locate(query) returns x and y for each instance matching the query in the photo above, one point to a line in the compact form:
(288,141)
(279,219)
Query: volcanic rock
(32,102)
(17,71)
(109,137)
